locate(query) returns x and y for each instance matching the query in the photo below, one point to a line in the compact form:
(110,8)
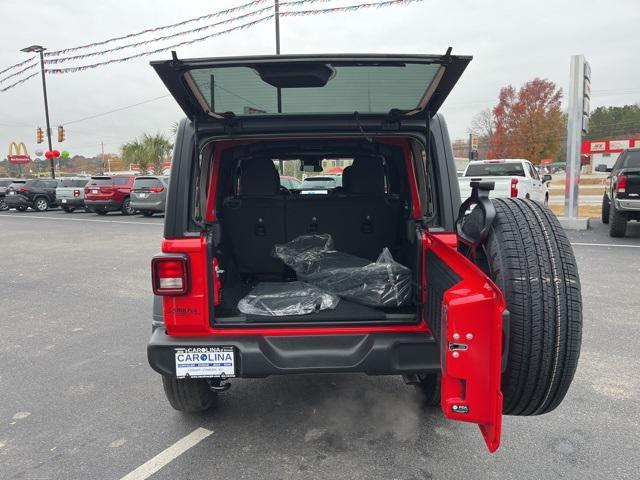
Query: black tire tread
(617,222)
(188,394)
(544,301)
(605,209)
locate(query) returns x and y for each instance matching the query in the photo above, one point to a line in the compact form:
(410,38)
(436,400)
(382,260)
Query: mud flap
(469,329)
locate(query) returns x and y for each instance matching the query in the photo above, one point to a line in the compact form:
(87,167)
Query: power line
(116,110)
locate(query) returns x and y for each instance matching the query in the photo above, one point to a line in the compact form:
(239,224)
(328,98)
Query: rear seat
(362,219)
(255,218)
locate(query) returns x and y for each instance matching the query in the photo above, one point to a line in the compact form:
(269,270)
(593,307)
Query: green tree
(150,152)
(135,152)
(612,122)
(158,148)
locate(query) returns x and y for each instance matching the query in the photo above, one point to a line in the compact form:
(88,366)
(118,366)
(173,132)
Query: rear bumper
(110,205)
(256,357)
(148,206)
(628,204)
(71,202)
(14,201)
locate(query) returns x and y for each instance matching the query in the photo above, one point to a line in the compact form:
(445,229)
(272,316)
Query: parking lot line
(166,456)
(80,219)
(604,245)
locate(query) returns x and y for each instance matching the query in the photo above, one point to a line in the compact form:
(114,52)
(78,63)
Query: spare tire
(530,259)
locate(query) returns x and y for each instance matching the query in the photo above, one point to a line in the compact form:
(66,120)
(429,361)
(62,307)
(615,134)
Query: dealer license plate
(95,191)
(12,192)
(64,200)
(219,362)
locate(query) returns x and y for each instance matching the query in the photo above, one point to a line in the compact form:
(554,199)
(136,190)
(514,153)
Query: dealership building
(606,152)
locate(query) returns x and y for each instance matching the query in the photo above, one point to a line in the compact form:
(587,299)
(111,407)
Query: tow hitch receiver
(470,335)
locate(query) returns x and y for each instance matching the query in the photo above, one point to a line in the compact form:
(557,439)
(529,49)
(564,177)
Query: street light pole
(40,49)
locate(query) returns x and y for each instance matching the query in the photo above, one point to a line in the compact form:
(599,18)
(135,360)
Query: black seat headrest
(258,176)
(366,175)
(346,177)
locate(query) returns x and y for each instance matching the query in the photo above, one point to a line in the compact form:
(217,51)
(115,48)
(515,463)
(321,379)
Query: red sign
(18,153)
(608,146)
(19,159)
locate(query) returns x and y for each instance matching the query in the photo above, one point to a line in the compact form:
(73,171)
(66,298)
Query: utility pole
(277,15)
(40,49)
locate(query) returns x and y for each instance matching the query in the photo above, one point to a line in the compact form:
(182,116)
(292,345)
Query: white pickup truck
(512,177)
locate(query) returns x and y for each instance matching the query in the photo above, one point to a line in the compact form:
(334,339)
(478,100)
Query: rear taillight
(170,274)
(76,193)
(156,189)
(514,188)
(621,184)
(23,189)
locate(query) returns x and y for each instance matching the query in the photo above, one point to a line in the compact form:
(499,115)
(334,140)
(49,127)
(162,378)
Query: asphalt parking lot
(79,401)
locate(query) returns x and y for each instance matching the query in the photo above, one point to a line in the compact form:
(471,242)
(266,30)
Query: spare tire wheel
(530,259)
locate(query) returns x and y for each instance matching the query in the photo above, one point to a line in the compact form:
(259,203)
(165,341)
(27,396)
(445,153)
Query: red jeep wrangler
(493,322)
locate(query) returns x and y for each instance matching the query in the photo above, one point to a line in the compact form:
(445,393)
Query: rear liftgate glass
(465,310)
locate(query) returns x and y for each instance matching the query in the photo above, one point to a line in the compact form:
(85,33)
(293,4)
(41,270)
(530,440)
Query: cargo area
(365,211)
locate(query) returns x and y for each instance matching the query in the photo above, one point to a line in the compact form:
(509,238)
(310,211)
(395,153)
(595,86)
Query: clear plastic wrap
(383,283)
(279,299)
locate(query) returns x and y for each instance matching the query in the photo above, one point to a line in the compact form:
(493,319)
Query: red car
(475,303)
(109,194)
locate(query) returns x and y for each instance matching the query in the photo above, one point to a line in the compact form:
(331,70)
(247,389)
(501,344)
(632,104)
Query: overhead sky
(511,42)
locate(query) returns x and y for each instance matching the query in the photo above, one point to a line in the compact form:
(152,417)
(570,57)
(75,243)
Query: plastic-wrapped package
(281,299)
(302,252)
(384,283)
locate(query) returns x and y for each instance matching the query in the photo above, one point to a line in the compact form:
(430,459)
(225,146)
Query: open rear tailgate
(466,313)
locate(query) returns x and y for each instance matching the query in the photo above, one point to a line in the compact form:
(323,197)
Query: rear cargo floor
(345,312)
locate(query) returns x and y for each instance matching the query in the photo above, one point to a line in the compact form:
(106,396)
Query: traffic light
(39,135)
(60,134)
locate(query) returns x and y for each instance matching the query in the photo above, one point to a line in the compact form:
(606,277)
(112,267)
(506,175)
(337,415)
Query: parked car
(476,347)
(149,194)
(621,199)
(4,186)
(320,184)
(37,193)
(70,193)
(106,193)
(290,183)
(513,178)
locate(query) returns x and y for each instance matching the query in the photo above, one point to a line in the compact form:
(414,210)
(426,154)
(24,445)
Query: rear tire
(41,204)
(126,207)
(530,259)
(188,394)
(147,213)
(429,387)
(99,211)
(68,209)
(617,222)
(21,208)
(3,206)
(606,205)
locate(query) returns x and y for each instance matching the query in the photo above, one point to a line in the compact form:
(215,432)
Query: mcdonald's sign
(18,153)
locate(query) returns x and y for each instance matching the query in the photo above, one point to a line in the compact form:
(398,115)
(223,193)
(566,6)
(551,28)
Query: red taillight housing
(514,188)
(156,189)
(170,274)
(76,193)
(621,184)
(23,189)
